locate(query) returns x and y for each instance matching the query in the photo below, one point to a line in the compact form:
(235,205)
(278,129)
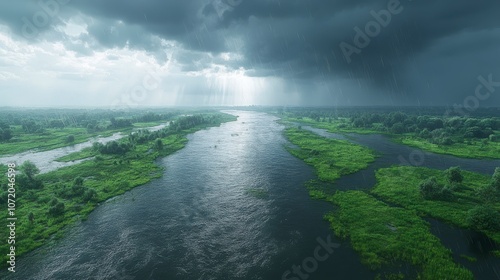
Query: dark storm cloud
(303,39)
(300,39)
(171,20)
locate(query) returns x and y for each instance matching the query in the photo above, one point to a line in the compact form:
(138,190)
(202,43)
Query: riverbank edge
(399,139)
(342,230)
(58,227)
(403,191)
(78,140)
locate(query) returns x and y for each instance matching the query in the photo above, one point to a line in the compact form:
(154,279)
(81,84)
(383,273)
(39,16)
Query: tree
(119,123)
(435,123)
(89,195)
(27,183)
(78,181)
(77,190)
(112,147)
(398,128)
(5,132)
(57,209)
(454,175)
(56,124)
(29,169)
(429,188)
(425,133)
(483,218)
(444,141)
(30,126)
(495,179)
(488,193)
(470,122)
(358,122)
(97,146)
(70,139)
(158,144)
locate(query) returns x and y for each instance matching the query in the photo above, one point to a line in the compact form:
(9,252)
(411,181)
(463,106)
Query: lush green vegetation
(5,131)
(23,130)
(334,125)
(464,206)
(46,203)
(49,139)
(83,154)
(387,235)
(330,157)
(463,136)
(469,149)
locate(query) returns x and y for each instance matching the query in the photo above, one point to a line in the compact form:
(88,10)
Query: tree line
(144,136)
(38,121)
(438,130)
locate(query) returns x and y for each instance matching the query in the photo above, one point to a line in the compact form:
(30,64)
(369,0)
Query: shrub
(454,175)
(89,195)
(53,201)
(398,128)
(425,133)
(488,193)
(57,209)
(77,190)
(29,169)
(495,179)
(446,194)
(483,218)
(158,144)
(445,141)
(429,188)
(78,181)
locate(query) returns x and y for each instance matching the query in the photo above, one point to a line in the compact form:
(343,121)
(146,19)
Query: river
(230,205)
(201,220)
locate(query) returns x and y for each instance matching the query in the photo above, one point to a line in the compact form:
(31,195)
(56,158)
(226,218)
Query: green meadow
(385,224)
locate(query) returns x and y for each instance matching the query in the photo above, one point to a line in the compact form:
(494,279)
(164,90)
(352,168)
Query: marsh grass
(400,185)
(330,157)
(477,150)
(384,235)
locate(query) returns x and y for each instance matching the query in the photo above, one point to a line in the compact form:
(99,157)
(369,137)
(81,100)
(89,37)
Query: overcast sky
(124,53)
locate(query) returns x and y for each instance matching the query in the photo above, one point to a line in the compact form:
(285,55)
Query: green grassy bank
(69,194)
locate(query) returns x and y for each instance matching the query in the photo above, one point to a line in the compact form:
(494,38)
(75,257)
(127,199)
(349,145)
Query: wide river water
(231,205)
